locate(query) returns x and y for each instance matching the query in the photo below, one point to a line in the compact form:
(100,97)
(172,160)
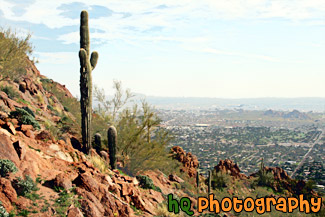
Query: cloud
(237,54)
(57,57)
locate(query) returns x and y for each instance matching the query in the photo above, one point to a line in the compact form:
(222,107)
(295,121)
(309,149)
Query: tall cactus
(197,181)
(262,164)
(112,139)
(86,66)
(98,142)
(209,182)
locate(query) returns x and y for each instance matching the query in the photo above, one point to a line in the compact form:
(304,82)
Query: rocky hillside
(36,136)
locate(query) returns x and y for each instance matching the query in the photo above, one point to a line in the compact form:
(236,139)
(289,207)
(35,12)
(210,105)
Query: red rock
(3,115)
(175,178)
(229,167)
(189,161)
(20,149)
(30,134)
(6,144)
(74,212)
(25,127)
(22,87)
(10,127)
(61,142)
(63,180)
(44,135)
(14,121)
(56,119)
(8,194)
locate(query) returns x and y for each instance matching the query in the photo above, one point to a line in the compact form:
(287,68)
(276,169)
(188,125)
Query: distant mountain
(295,114)
(280,104)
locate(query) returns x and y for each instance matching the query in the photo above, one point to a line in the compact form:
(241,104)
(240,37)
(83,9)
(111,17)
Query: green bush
(6,167)
(147,183)
(26,186)
(25,117)
(11,93)
(50,107)
(13,54)
(219,181)
(265,179)
(3,211)
(27,109)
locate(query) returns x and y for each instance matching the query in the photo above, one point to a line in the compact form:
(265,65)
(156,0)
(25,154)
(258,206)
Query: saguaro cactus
(198,181)
(209,182)
(86,66)
(98,142)
(112,139)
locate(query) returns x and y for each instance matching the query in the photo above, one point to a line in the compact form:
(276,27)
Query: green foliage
(73,105)
(219,180)
(10,91)
(65,200)
(13,54)
(27,109)
(24,117)
(3,211)
(147,183)
(264,179)
(6,167)
(24,187)
(141,142)
(50,107)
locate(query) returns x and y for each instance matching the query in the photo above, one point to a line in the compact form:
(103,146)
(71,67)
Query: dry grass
(162,211)
(100,164)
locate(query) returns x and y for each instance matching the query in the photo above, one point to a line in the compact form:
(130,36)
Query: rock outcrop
(189,161)
(229,167)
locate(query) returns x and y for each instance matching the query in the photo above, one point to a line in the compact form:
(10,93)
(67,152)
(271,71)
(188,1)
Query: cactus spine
(112,139)
(98,142)
(86,66)
(209,182)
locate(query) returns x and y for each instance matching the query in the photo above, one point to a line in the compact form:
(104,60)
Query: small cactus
(209,181)
(112,139)
(98,142)
(86,66)
(197,181)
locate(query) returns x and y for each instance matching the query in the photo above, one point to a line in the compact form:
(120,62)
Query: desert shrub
(10,91)
(13,54)
(99,163)
(3,211)
(141,142)
(219,181)
(26,186)
(147,183)
(24,117)
(6,167)
(27,109)
(71,105)
(265,178)
(50,107)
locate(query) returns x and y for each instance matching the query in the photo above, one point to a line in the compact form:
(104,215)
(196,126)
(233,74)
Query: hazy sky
(208,48)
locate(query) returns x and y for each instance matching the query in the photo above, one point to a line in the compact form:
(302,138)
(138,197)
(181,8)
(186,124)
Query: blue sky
(206,48)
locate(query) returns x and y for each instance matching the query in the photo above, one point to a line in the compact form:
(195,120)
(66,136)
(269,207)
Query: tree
(14,54)
(141,142)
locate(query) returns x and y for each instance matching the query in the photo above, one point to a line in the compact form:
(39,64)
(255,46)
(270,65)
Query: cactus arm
(93,59)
